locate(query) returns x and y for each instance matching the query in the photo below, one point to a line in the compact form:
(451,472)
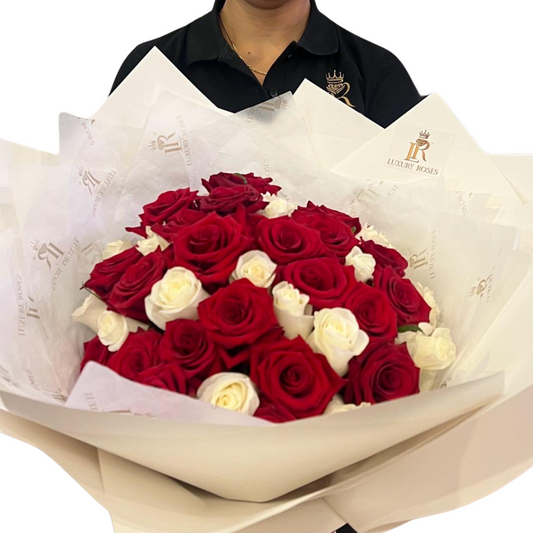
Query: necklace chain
(232,44)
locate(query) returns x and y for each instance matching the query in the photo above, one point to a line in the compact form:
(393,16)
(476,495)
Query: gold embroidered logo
(164,144)
(338,88)
(420,145)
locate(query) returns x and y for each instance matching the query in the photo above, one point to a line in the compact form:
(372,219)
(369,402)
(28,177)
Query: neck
(262,29)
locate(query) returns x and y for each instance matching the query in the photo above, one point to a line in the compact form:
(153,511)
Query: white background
(63,56)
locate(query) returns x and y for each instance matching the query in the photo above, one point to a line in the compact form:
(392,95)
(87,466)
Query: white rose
(231,391)
(115,248)
(433,352)
(257,267)
(152,243)
(89,312)
(338,337)
(368,233)
(292,310)
(429,298)
(177,295)
(364,264)
(278,206)
(338,406)
(113,329)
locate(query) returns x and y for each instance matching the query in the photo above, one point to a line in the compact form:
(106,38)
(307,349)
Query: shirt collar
(205,41)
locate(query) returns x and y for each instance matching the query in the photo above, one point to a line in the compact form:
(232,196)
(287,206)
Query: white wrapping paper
(456,230)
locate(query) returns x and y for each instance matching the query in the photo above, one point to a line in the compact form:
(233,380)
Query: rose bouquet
(245,300)
(166,307)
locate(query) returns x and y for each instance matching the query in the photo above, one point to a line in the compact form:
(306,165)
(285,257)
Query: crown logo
(35,245)
(152,145)
(335,79)
(80,171)
(425,134)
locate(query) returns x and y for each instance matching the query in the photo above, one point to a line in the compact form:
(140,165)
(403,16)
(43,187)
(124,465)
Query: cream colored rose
(177,295)
(231,391)
(292,310)
(369,233)
(337,405)
(364,264)
(429,298)
(257,267)
(278,206)
(433,352)
(89,312)
(152,243)
(338,337)
(113,329)
(115,248)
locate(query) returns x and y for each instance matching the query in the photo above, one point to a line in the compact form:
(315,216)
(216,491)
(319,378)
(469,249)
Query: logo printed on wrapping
(483,287)
(88,180)
(337,87)
(420,145)
(92,253)
(165,143)
(45,252)
(425,258)
(6,376)
(86,129)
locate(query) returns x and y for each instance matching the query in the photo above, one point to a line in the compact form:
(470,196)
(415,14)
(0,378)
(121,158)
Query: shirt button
(273,92)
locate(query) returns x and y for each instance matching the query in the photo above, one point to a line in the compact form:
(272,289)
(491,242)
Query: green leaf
(404,329)
(242,177)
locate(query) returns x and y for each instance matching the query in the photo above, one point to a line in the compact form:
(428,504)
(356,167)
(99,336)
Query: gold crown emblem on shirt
(425,134)
(335,79)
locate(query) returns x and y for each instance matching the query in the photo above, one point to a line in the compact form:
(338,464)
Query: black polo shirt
(366,77)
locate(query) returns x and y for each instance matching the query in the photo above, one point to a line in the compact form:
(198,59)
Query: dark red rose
(273,412)
(293,377)
(211,248)
(186,342)
(184,217)
(373,311)
(225,200)
(127,297)
(312,209)
(285,241)
(324,280)
(107,274)
(238,315)
(223,179)
(139,353)
(385,256)
(384,371)
(95,351)
(336,235)
(407,302)
(168,376)
(166,205)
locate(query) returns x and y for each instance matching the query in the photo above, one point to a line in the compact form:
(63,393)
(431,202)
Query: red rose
(293,377)
(186,342)
(373,311)
(312,209)
(211,248)
(168,376)
(127,297)
(285,241)
(336,235)
(95,351)
(225,200)
(384,371)
(139,353)
(324,280)
(184,217)
(273,412)
(238,315)
(106,274)
(385,256)
(166,205)
(408,303)
(223,179)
